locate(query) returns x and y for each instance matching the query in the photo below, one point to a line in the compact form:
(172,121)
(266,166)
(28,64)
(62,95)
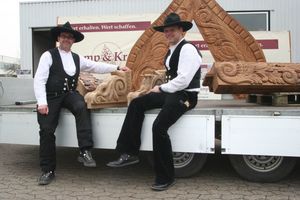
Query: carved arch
(226,38)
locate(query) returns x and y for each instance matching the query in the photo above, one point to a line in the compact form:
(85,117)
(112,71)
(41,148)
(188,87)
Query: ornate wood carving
(148,82)
(226,38)
(87,83)
(253,77)
(110,93)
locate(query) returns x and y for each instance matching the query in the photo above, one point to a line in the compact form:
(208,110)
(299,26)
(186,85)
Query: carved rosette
(250,77)
(110,93)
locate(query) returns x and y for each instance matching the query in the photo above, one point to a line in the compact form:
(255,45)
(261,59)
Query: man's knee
(79,107)
(47,132)
(159,130)
(135,103)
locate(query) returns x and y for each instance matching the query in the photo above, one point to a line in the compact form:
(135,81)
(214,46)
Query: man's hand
(125,69)
(43,109)
(155,89)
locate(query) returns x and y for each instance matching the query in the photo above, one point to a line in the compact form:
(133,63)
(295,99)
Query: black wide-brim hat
(173,19)
(66,28)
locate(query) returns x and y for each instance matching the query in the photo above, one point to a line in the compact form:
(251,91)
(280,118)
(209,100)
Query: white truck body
(248,129)
(192,133)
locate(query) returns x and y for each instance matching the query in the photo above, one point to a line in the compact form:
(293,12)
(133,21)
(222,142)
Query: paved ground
(19,171)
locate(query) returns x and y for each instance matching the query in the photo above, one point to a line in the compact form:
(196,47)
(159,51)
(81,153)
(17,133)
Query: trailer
(262,142)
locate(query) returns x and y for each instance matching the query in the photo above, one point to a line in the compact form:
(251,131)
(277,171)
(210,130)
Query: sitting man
(174,98)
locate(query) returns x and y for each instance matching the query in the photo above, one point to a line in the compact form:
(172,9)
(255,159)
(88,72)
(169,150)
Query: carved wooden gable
(226,38)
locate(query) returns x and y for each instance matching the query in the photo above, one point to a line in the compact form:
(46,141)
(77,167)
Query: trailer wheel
(186,164)
(262,168)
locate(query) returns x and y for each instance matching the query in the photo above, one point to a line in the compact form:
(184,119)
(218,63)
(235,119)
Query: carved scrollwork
(112,92)
(247,77)
(148,82)
(226,38)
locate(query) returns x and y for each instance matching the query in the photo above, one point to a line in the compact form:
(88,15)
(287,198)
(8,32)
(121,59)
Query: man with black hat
(55,84)
(175,97)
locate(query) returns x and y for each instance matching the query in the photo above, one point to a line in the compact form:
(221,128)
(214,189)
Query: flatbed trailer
(262,142)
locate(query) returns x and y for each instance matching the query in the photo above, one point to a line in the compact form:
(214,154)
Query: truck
(261,141)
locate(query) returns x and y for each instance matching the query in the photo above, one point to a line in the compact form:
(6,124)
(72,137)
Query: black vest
(172,72)
(59,81)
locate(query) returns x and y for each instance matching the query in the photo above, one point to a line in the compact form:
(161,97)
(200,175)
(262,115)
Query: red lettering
(97,58)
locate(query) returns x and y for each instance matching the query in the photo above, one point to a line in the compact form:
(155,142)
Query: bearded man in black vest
(55,85)
(175,97)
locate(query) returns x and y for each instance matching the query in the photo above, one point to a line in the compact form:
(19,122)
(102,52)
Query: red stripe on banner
(268,44)
(264,44)
(112,26)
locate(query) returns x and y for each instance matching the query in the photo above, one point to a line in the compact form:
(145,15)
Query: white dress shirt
(188,64)
(45,63)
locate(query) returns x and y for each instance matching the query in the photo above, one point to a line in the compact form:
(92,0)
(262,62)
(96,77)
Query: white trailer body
(263,142)
(192,133)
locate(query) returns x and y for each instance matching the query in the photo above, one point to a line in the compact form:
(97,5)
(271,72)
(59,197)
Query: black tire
(262,168)
(186,164)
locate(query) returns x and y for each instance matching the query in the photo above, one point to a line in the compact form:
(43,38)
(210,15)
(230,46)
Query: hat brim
(184,24)
(56,31)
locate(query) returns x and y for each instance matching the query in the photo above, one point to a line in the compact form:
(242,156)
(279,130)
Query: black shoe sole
(123,165)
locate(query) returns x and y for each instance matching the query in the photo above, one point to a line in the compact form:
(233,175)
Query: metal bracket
(218,115)
(1,90)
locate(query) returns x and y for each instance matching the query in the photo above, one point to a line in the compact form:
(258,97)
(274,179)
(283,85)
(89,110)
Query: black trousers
(173,108)
(75,103)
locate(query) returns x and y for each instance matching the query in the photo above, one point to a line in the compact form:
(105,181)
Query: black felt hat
(173,19)
(66,28)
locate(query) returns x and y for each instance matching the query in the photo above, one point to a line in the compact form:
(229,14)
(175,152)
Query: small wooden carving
(87,83)
(253,77)
(149,81)
(110,93)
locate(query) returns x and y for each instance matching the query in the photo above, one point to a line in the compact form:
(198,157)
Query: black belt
(56,94)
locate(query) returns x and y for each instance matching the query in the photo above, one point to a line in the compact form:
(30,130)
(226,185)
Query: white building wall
(284,15)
